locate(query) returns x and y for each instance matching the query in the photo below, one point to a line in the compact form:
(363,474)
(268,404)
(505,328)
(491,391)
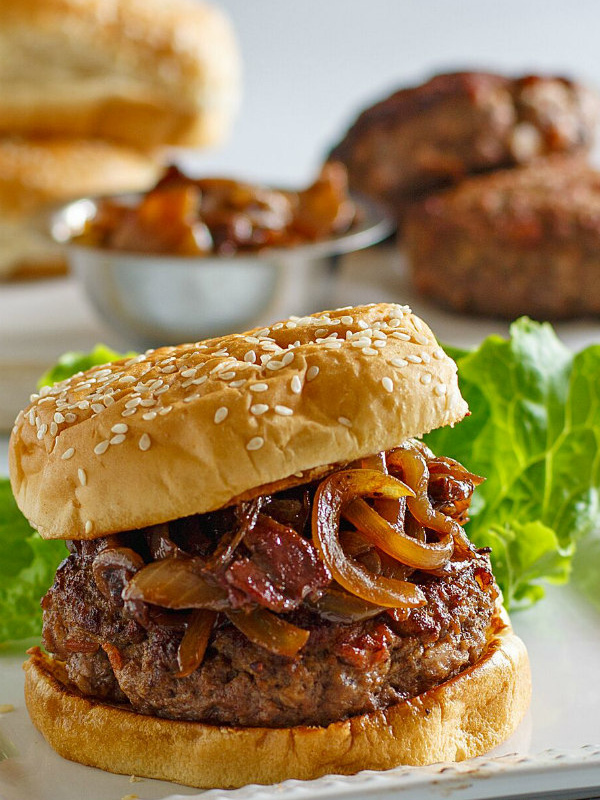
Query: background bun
(147,72)
(188,429)
(459,719)
(39,173)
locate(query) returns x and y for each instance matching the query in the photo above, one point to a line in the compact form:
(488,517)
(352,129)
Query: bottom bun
(462,718)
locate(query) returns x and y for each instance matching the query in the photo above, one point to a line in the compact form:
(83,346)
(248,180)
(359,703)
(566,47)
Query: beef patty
(427,137)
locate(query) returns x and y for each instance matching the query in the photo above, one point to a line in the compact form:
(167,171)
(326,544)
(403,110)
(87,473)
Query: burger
(268,574)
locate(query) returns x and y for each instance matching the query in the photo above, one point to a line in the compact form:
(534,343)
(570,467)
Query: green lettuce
(534,432)
(27,569)
(73,362)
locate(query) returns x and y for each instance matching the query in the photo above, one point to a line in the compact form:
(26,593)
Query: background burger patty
(520,241)
(343,670)
(421,139)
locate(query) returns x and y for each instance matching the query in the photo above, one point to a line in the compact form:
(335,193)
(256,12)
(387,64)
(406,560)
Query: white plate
(557,748)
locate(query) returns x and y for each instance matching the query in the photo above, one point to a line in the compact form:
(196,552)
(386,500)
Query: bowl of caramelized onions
(198,257)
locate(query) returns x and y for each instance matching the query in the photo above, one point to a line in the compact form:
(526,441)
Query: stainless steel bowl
(156,300)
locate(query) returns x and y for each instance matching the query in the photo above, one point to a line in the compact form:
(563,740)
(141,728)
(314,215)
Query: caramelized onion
(175,583)
(247,517)
(412,466)
(339,606)
(269,631)
(393,540)
(336,491)
(195,640)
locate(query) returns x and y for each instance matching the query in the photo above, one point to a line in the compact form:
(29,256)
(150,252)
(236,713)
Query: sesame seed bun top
(189,429)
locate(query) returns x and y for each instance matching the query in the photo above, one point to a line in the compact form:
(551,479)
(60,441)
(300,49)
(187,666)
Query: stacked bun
(92,90)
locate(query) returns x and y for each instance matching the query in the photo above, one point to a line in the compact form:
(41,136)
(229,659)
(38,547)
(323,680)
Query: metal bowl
(156,300)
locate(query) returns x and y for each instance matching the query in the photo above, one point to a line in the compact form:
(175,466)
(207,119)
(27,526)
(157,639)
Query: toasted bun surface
(188,429)
(146,72)
(462,718)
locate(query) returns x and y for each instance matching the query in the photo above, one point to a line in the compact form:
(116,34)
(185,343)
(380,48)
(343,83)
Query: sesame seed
(345,421)
(118,438)
(101,447)
(273,364)
(162,390)
(440,389)
(377,334)
(226,376)
(346,320)
(287,359)
(144,442)
(379,343)
(296,385)
(255,443)
(399,362)
(332,344)
(108,400)
(320,331)
(438,353)
(88,526)
(285,411)
(250,357)
(220,414)
(426,378)
(190,398)
(369,351)
(405,337)
(128,379)
(33,397)
(426,358)
(169,369)
(258,387)
(394,322)
(277,326)
(53,429)
(251,339)
(70,417)
(58,417)
(362,324)
(83,404)
(414,359)
(388,384)
(198,381)
(41,433)
(290,324)
(68,453)
(311,373)
(97,408)
(31,417)
(82,476)
(164,410)
(237,384)
(222,352)
(259,408)
(149,415)
(148,402)
(189,373)
(128,412)
(120,427)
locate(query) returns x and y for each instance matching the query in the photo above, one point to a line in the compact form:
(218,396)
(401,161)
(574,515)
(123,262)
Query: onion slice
(175,583)
(195,641)
(394,542)
(269,631)
(413,468)
(337,605)
(333,493)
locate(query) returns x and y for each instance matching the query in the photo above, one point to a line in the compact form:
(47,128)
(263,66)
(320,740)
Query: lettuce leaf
(27,570)
(534,432)
(75,361)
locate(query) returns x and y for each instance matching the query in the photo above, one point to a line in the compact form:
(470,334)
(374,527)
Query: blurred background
(307,70)
(310,67)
